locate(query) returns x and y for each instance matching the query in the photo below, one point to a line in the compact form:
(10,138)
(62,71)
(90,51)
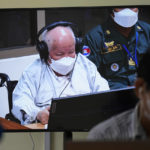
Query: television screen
(111,67)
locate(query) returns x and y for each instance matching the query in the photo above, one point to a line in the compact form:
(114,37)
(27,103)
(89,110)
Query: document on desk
(46,126)
(35,126)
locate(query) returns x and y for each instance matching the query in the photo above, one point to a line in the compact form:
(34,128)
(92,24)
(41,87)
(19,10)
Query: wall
(57,139)
(22,141)
(67,3)
(13,67)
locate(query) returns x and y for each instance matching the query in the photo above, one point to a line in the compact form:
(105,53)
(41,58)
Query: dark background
(18,27)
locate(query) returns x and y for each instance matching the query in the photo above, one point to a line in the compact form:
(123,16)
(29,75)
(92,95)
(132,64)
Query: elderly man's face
(63,46)
(63,50)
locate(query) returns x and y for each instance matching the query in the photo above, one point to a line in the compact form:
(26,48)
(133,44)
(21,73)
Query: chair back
(10,87)
(3,78)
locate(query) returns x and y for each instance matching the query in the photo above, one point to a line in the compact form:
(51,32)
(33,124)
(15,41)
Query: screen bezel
(46,130)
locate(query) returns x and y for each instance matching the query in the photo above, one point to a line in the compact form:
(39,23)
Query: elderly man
(64,73)
(135,123)
(118,45)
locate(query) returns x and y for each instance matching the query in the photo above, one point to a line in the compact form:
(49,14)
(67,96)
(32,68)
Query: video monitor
(82,112)
(87,18)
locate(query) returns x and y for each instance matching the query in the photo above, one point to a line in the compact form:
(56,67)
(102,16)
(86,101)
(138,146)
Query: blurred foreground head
(143,85)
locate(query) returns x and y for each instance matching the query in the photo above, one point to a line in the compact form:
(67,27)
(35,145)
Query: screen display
(104,46)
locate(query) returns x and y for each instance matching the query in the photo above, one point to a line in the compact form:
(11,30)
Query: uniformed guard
(117,46)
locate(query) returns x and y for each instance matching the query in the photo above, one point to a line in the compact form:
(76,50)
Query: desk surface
(35,126)
(10,125)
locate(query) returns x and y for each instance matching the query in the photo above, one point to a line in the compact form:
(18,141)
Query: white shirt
(39,84)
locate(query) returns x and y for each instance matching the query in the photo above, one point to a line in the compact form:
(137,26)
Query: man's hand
(43,115)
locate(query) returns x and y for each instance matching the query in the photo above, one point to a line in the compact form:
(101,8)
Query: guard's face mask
(126,17)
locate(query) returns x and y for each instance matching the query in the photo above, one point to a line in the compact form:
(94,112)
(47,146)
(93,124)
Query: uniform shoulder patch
(86,50)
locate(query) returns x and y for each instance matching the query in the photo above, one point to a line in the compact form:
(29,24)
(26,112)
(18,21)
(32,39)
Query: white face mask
(63,66)
(126,17)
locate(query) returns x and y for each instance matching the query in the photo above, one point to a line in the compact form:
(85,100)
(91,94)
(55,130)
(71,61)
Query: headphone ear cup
(42,48)
(79,43)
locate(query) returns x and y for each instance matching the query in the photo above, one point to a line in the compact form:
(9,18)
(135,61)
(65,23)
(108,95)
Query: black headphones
(42,47)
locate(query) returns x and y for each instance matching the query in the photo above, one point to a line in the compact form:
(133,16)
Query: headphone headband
(53,25)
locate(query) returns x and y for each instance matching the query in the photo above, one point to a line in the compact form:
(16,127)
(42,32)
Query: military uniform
(111,58)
